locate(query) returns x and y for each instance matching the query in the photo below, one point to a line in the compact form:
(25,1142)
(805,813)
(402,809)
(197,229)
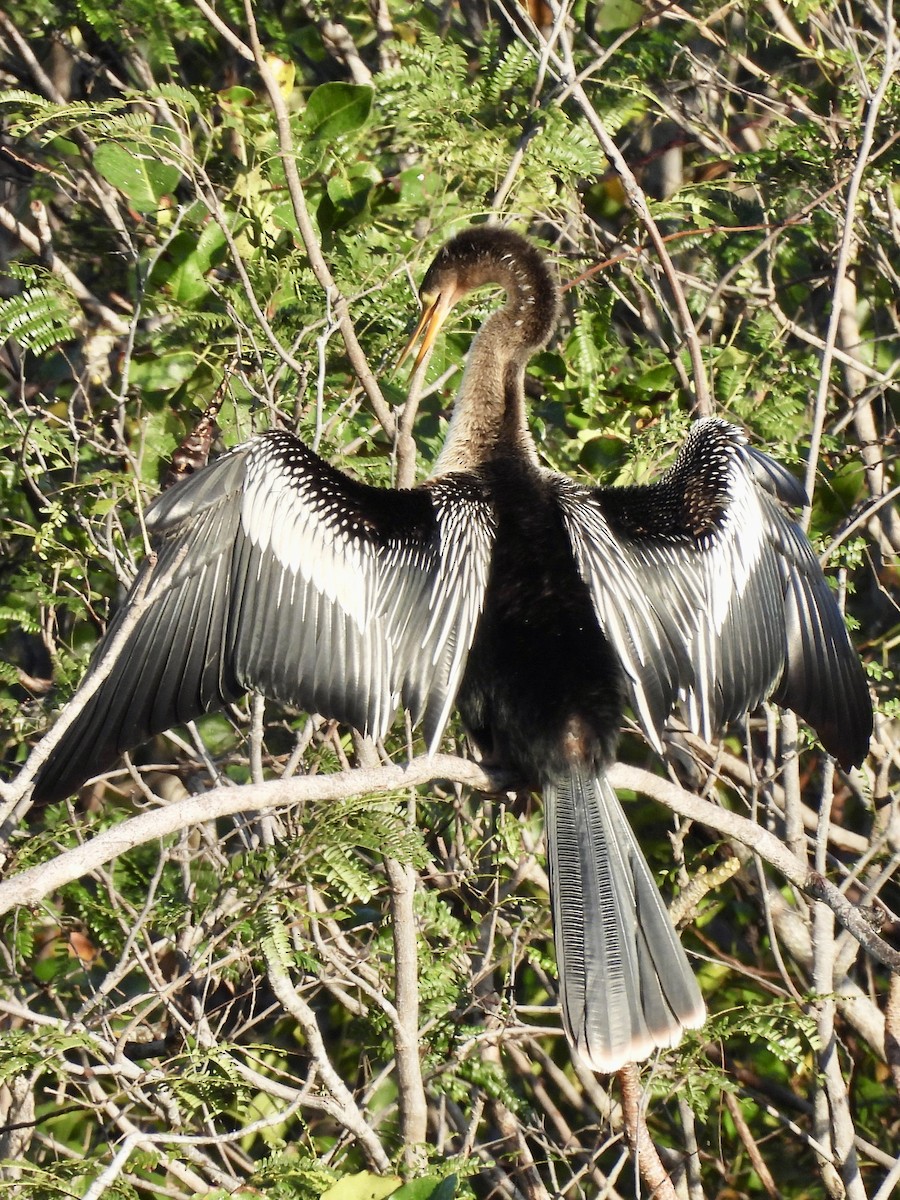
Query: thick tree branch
(767,846)
(34,884)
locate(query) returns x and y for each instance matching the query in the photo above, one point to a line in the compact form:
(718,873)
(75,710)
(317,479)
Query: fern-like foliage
(41,316)
(375,826)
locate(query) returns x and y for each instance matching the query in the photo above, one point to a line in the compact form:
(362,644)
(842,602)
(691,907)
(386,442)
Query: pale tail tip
(608,1060)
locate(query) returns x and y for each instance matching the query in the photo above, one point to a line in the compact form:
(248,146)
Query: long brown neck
(489,419)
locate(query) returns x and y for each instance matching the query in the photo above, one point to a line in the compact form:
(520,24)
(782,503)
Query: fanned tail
(626,986)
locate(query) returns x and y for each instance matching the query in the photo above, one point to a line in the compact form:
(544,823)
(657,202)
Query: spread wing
(712,595)
(279,573)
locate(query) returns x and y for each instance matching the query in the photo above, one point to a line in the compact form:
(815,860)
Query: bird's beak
(435,310)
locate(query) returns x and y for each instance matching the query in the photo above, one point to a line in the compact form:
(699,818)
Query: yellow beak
(435,311)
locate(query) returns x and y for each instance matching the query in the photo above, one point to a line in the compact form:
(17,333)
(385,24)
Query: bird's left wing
(279,573)
(712,596)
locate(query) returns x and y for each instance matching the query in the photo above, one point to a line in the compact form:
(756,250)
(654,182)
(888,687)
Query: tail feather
(626,986)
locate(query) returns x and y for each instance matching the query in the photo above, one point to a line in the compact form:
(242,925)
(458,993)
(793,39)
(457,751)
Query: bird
(539,606)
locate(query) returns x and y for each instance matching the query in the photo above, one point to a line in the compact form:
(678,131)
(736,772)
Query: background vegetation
(287,999)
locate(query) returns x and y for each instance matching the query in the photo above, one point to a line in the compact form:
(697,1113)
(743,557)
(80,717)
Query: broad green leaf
(194,256)
(657,379)
(427,1188)
(353,185)
(336,108)
(419,185)
(136,173)
(163,371)
(364,1186)
(236,97)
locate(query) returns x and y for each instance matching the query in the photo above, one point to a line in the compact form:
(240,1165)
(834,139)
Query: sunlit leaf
(137,173)
(336,108)
(364,1186)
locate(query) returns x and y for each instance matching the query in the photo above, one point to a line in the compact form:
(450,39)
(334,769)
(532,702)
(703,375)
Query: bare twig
(563,69)
(845,253)
(83,294)
(750,1144)
(347,1111)
(337,41)
(646,1156)
(301,213)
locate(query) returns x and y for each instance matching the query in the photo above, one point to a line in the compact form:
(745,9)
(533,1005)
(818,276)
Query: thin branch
(564,70)
(637,1134)
(83,294)
(348,1111)
(892,1031)
(337,41)
(638,202)
(410,1085)
(301,213)
(143,597)
(750,1144)
(848,242)
(211,200)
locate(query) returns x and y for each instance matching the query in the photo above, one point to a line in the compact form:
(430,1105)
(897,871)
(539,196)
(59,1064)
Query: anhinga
(539,606)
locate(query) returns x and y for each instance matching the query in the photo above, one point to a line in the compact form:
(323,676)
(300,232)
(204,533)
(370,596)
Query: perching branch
(766,845)
(34,884)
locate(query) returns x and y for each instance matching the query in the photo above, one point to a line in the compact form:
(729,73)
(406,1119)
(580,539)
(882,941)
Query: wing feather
(277,572)
(713,597)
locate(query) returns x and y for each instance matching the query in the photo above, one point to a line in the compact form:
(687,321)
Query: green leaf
(40,317)
(164,371)
(236,97)
(136,173)
(364,1186)
(427,1188)
(657,379)
(282,217)
(446,1189)
(194,257)
(336,108)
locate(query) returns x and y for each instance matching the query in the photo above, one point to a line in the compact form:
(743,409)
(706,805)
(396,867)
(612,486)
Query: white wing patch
(457,596)
(726,563)
(696,620)
(379,618)
(613,572)
(310,538)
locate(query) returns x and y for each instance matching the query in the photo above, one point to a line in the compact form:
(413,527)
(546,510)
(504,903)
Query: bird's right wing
(712,596)
(278,573)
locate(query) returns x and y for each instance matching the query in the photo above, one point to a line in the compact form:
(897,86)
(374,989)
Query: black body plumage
(540,662)
(540,606)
